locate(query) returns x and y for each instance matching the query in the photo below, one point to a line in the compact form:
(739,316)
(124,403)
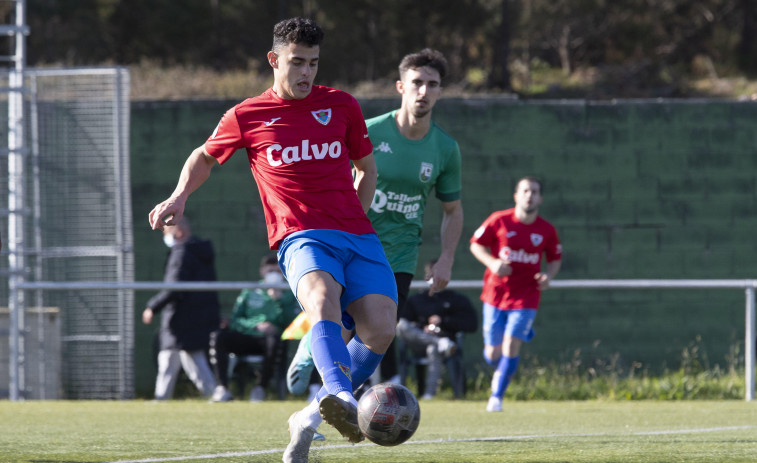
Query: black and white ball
(388,414)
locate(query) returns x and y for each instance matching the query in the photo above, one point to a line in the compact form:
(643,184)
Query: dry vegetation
(151,82)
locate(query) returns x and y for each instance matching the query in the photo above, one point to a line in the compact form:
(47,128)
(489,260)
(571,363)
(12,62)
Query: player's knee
(492,356)
(379,337)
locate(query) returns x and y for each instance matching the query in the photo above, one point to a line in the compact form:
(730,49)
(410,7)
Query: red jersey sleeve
(358,143)
(485,235)
(553,249)
(226,138)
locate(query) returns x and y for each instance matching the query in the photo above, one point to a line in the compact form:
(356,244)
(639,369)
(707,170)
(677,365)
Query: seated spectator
(428,324)
(258,319)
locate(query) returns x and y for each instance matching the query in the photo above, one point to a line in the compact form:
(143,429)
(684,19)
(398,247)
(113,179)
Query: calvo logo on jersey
(536,239)
(426,169)
(322,115)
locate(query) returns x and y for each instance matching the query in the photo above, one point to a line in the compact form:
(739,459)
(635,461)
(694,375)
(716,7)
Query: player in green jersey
(413,156)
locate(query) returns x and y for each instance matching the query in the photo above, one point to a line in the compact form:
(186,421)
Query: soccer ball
(388,414)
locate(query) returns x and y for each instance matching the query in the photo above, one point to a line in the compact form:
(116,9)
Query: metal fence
(74,224)
(748,286)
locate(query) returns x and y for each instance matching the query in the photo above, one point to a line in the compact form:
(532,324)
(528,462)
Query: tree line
(647,45)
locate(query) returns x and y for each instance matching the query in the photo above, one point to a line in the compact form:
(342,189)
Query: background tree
(629,47)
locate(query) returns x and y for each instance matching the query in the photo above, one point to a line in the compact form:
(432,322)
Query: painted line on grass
(438,441)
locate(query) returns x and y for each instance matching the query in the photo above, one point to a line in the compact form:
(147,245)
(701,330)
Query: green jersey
(255,306)
(407,171)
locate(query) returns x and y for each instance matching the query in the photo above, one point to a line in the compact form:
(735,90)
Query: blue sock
(331,356)
(364,363)
(506,369)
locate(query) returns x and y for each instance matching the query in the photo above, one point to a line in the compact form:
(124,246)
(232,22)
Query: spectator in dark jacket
(429,322)
(188,317)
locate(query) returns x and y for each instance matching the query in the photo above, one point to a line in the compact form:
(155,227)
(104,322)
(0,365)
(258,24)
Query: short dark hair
(426,57)
(296,30)
(530,178)
(268,259)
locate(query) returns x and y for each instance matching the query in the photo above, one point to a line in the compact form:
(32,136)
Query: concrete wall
(636,189)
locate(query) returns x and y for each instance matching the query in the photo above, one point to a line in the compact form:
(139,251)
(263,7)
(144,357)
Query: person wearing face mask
(187,317)
(257,321)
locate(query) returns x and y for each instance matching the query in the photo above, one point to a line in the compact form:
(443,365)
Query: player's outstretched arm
(451,229)
(366,174)
(194,173)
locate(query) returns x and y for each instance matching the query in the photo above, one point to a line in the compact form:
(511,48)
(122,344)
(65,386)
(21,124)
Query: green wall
(636,189)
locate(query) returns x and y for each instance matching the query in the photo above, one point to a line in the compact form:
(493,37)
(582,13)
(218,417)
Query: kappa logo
(536,239)
(426,170)
(322,115)
(384,147)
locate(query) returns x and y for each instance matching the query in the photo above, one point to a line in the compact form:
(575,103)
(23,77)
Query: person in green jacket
(257,321)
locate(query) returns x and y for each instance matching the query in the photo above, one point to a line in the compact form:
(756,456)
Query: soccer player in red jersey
(300,139)
(511,244)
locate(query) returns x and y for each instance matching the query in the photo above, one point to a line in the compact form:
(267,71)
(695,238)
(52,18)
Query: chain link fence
(76,226)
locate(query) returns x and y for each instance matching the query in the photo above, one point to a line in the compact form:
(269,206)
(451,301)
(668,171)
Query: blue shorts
(518,323)
(357,262)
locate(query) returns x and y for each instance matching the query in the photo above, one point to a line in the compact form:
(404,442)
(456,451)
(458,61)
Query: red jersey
(299,152)
(523,246)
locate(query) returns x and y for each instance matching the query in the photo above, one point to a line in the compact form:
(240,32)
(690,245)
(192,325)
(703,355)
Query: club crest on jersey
(536,239)
(426,169)
(322,115)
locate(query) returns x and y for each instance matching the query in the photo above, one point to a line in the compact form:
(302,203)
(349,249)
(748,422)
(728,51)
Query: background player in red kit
(300,139)
(510,244)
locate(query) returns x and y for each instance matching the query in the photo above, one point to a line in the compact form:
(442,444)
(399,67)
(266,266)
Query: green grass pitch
(450,432)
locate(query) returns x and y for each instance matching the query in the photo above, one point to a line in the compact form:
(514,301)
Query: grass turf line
(450,431)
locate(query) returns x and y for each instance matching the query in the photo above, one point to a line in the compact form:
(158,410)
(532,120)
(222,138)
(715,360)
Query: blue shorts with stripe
(496,323)
(357,262)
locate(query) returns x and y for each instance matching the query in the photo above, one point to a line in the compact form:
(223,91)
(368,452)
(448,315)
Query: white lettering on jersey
(396,202)
(291,154)
(519,256)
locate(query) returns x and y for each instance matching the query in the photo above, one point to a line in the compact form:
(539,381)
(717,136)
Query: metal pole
(16,207)
(749,344)
(36,200)
(119,174)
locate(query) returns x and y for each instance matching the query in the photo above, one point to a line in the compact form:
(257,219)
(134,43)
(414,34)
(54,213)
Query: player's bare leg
(319,293)
(375,317)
